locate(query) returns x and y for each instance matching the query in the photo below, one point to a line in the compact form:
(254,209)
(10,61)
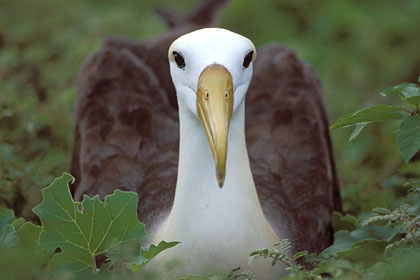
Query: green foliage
(408,133)
(21,254)
(413,185)
(408,137)
(7,231)
(373,114)
(347,222)
(81,232)
(407,92)
(402,218)
(146,255)
(374,247)
(84,234)
(280,253)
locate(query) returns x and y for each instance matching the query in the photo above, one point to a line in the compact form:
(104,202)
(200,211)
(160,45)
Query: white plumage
(208,221)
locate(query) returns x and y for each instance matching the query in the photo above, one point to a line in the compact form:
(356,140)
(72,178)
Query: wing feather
(126,131)
(290,148)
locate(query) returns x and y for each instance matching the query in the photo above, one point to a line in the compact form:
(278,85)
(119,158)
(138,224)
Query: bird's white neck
(218,228)
(197,185)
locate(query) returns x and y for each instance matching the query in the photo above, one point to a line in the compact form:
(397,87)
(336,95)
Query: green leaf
(398,89)
(87,229)
(381,211)
(146,255)
(366,252)
(357,131)
(408,92)
(413,184)
(8,236)
(344,239)
(408,137)
(18,223)
(28,235)
(411,91)
(340,222)
(373,114)
(6,218)
(299,255)
(411,95)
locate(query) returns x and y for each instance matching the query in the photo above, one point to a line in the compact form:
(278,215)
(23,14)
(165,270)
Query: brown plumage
(126,132)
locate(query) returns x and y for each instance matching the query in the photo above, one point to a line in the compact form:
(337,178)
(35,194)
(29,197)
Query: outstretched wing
(126,124)
(290,149)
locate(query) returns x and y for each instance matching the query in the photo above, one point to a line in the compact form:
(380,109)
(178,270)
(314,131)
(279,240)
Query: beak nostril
(226,94)
(207,95)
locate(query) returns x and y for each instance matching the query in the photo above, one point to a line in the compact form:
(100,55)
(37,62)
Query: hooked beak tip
(220,181)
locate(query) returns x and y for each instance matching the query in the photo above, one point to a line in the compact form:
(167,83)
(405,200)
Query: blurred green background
(357,47)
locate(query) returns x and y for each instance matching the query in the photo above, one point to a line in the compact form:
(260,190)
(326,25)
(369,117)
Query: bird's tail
(205,13)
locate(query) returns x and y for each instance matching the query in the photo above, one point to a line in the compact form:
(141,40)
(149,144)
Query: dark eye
(248,59)
(180,62)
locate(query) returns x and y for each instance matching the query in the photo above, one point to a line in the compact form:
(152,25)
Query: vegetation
(357,47)
(82,231)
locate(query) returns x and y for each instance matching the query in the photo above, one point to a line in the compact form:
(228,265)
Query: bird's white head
(211,69)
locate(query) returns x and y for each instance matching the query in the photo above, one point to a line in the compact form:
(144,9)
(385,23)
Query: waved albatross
(126,137)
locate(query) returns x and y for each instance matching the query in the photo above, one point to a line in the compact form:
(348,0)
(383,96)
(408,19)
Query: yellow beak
(214,107)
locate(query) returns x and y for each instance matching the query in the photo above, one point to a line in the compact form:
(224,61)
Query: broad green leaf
(21,255)
(373,114)
(367,252)
(344,239)
(404,265)
(398,89)
(87,229)
(146,255)
(408,137)
(126,252)
(18,223)
(28,235)
(357,131)
(340,222)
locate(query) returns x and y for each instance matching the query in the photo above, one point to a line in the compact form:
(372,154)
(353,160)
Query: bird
(227,146)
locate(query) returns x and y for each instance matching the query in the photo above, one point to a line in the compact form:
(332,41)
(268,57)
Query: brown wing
(290,149)
(126,131)
(126,126)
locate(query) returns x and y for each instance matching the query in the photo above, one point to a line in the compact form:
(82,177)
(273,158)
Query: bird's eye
(248,59)
(180,62)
